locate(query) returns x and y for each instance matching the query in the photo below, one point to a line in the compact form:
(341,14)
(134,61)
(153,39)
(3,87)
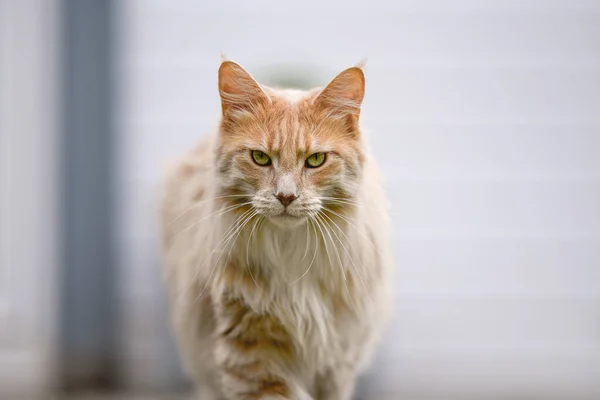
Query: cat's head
(291,154)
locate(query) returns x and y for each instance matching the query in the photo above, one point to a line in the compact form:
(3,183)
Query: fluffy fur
(272,301)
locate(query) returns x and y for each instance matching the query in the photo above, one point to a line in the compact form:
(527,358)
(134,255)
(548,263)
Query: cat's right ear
(239,92)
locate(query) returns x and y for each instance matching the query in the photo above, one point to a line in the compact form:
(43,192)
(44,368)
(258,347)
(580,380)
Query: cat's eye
(316,160)
(261,158)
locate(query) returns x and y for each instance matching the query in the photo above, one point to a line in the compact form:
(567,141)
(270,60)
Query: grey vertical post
(88,287)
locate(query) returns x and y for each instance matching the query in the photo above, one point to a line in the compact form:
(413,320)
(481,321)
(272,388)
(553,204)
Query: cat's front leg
(253,353)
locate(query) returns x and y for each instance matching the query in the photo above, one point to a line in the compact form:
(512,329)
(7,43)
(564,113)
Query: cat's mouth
(287,220)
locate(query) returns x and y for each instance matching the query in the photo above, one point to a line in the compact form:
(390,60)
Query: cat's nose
(286,199)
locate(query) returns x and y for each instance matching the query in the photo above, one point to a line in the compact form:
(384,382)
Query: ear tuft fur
(238,90)
(345,93)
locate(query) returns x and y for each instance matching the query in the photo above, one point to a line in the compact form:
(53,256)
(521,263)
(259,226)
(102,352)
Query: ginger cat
(275,233)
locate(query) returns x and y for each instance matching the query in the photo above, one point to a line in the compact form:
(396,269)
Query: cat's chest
(298,278)
(315,320)
(305,294)
(291,258)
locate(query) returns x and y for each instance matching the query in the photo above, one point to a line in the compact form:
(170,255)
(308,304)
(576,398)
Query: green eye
(261,158)
(316,160)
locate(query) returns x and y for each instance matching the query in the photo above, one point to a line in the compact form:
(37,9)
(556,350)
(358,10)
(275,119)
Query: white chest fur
(309,281)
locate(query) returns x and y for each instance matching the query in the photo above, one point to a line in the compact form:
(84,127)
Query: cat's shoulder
(194,162)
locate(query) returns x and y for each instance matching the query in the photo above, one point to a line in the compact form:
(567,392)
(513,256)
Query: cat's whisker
(333,245)
(355,227)
(249,239)
(314,255)
(324,241)
(325,201)
(357,204)
(260,220)
(307,243)
(363,269)
(345,201)
(348,253)
(247,251)
(236,234)
(223,211)
(225,235)
(336,201)
(340,264)
(341,200)
(198,204)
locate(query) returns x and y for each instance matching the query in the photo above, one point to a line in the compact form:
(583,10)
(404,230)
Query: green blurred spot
(291,76)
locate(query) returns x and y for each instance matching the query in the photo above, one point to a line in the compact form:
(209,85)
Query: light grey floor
(126,396)
(112,396)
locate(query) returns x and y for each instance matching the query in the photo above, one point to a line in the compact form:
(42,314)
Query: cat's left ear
(238,89)
(344,95)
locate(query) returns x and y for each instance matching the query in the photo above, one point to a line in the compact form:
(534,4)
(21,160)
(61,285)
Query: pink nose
(286,199)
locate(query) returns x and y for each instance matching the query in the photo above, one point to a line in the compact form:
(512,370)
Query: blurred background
(485,118)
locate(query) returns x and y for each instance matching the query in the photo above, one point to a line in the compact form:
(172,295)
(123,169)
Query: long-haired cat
(276,244)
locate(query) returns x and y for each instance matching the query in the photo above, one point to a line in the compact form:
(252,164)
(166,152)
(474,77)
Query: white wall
(29,186)
(485,118)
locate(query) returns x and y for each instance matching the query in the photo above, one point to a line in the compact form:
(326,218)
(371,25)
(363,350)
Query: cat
(276,243)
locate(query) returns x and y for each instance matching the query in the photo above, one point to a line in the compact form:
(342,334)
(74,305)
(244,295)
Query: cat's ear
(238,90)
(344,94)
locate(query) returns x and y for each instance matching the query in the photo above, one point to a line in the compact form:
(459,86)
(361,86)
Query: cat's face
(289,154)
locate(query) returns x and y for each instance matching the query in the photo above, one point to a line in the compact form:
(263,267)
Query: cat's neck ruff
(312,258)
